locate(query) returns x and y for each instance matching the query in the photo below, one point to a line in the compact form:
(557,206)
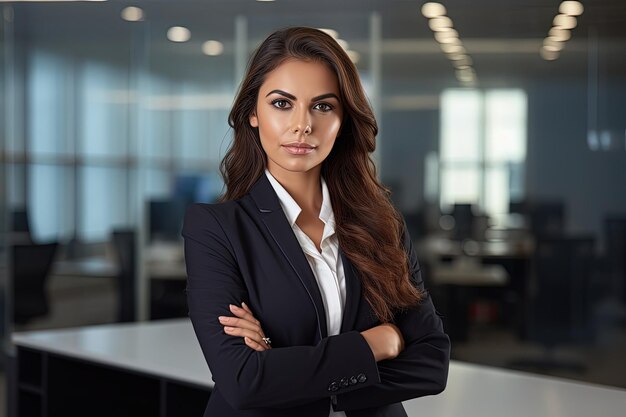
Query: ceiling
(502,36)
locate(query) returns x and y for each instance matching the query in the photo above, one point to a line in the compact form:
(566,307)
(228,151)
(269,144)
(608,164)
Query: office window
(482,148)
(51,192)
(49,90)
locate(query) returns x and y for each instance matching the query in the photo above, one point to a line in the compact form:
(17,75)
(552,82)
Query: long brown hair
(368,227)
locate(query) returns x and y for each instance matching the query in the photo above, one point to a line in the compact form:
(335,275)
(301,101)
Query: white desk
(169,349)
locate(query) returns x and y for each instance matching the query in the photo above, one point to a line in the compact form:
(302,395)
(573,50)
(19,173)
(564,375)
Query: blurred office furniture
(458,285)
(124,245)
(463,221)
(166,219)
(31,269)
(547,219)
(157,369)
(615,250)
(20,227)
(559,299)
(168,280)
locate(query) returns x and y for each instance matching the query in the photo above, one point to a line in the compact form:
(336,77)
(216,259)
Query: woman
(303,286)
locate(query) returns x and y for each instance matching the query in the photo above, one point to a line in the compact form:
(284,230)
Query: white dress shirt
(326,265)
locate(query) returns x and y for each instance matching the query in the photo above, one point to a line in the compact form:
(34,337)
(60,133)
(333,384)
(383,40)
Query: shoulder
(203,215)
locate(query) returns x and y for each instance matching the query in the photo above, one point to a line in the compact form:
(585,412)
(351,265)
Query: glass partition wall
(493,141)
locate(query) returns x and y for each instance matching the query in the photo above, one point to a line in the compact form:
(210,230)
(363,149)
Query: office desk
(157,369)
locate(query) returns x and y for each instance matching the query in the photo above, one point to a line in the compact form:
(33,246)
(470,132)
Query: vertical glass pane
(104,107)
(103,201)
(47,86)
(496,190)
(51,208)
(157,184)
(461,125)
(506,125)
(157,117)
(460,185)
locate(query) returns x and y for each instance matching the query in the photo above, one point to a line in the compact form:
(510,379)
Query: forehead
(302,78)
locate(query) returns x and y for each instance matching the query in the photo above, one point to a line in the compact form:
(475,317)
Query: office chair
(124,247)
(31,268)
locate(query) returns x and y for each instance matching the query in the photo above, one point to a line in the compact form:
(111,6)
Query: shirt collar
(292,209)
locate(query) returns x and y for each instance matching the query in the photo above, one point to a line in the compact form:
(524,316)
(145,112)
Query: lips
(298,148)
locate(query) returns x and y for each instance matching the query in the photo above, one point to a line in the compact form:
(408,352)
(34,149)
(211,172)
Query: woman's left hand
(245,325)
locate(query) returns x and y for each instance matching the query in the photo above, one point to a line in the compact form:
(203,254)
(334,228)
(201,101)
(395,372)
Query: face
(299,116)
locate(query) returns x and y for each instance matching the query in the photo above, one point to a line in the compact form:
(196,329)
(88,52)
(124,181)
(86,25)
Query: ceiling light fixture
(432,9)
(449,41)
(212,48)
(178,34)
(563,21)
(572,8)
(560,33)
(440,23)
(132,14)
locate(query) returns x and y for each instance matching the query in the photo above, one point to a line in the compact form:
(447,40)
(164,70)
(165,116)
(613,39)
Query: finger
(236,331)
(245,307)
(241,323)
(240,312)
(254,345)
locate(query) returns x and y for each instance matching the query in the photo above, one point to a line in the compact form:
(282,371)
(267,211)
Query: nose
(301,122)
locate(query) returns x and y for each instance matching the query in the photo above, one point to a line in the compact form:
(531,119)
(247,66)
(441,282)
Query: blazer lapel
(273,217)
(353,294)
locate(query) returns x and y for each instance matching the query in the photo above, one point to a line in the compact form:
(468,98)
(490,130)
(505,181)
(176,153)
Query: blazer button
(344,382)
(361,377)
(333,386)
(353,380)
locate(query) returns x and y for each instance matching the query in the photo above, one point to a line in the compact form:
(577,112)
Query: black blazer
(245,250)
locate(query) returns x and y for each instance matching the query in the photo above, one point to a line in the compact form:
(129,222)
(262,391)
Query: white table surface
(169,348)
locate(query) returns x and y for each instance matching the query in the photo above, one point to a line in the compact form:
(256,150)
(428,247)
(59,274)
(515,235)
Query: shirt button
(344,382)
(361,378)
(353,380)
(333,387)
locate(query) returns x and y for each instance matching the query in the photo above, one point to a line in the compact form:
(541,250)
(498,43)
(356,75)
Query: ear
(254,120)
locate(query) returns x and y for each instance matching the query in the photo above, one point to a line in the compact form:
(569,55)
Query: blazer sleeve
(421,368)
(279,377)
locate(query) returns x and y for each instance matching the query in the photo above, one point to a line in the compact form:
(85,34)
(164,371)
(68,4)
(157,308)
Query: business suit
(245,250)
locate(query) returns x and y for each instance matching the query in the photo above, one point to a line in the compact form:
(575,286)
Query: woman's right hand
(385,340)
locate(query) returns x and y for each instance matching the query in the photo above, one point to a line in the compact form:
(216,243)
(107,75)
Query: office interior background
(502,138)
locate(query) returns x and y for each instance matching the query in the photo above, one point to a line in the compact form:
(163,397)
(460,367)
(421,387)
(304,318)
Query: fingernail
(232,306)
(223,318)
(244,304)
(229,329)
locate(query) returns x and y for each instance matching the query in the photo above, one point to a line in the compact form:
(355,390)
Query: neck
(304,187)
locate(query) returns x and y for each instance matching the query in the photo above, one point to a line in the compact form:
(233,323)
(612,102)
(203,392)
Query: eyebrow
(292,97)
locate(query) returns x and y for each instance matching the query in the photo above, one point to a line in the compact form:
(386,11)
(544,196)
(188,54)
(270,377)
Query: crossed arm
(385,340)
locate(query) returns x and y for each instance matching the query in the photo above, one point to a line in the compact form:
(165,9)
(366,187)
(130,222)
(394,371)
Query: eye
(281,104)
(323,107)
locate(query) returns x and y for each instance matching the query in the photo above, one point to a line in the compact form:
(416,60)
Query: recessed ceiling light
(447,36)
(563,21)
(548,55)
(440,23)
(560,34)
(212,48)
(178,34)
(432,9)
(132,14)
(572,8)
(551,44)
(453,49)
